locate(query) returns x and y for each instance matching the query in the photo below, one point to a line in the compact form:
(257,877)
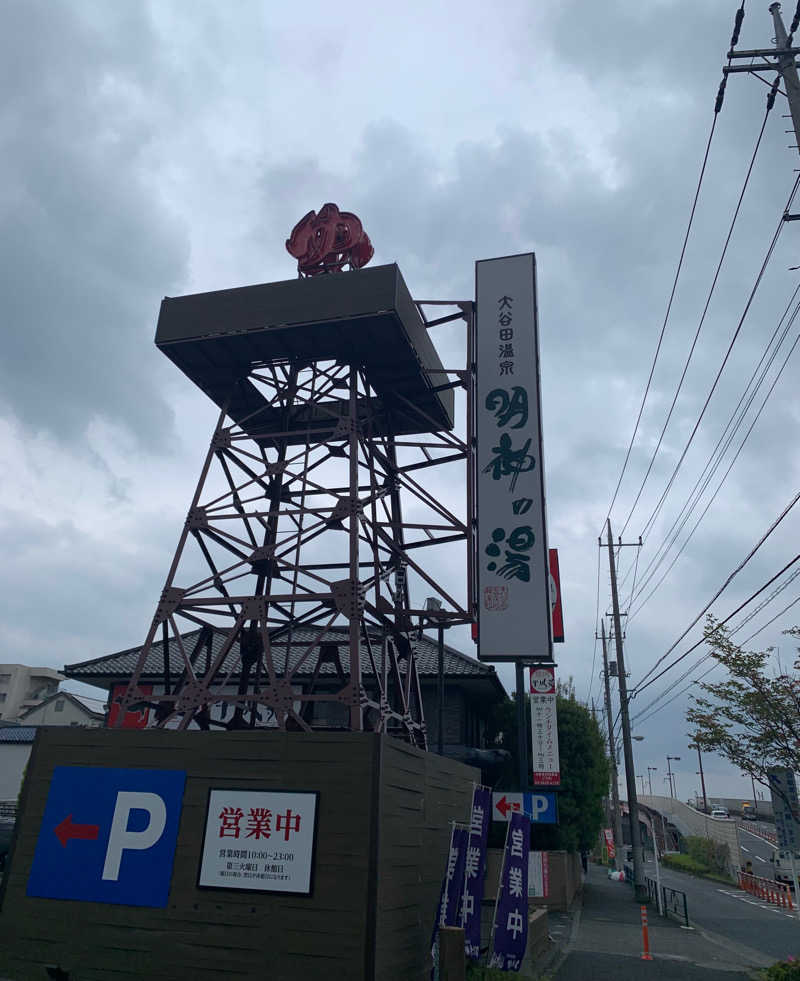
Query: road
(730,915)
(758,851)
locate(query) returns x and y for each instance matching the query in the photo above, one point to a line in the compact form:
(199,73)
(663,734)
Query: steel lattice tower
(293,599)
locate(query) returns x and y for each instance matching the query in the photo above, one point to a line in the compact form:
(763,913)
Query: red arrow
(503,806)
(67,830)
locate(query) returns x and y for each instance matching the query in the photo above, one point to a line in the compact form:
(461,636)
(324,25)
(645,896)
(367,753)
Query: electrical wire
(641,687)
(680,521)
(669,305)
(655,705)
(713,287)
(734,338)
(737,25)
(647,573)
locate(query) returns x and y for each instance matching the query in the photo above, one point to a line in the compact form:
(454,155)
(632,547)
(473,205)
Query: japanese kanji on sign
(474,868)
(510,932)
(260,840)
(513,575)
(544,728)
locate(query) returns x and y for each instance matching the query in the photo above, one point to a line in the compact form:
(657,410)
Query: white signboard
(504,804)
(513,577)
(544,728)
(538,875)
(785,807)
(259,840)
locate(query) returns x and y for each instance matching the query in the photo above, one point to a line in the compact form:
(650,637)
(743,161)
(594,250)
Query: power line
(684,514)
(737,25)
(702,316)
(641,687)
(654,705)
(678,268)
(751,297)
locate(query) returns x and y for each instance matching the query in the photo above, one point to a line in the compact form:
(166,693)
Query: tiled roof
(122,664)
(17,734)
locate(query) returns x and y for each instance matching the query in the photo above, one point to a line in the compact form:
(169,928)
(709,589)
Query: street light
(640,776)
(671,777)
(651,769)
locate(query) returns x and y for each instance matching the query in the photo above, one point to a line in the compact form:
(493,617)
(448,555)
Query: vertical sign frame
(512,557)
(545,766)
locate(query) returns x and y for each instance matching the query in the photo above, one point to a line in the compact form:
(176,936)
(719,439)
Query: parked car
(719,812)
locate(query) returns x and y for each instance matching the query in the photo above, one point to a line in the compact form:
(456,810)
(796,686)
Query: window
(4,679)
(2,696)
(59,706)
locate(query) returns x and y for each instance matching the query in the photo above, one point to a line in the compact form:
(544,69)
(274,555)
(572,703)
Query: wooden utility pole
(640,890)
(616,827)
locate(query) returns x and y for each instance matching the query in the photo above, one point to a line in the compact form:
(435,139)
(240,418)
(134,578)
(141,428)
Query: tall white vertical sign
(512,559)
(544,728)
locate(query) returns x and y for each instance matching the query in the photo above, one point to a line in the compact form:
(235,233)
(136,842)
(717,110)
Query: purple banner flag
(510,933)
(474,868)
(452,886)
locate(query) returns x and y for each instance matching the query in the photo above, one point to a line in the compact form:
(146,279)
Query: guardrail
(759,832)
(673,901)
(675,904)
(777,893)
(8,809)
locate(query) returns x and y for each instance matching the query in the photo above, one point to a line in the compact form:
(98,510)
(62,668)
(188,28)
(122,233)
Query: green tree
(584,771)
(752,717)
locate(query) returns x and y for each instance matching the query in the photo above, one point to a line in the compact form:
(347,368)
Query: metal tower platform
(315,515)
(365,317)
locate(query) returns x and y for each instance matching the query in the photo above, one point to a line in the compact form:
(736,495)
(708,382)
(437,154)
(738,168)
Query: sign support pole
(522,729)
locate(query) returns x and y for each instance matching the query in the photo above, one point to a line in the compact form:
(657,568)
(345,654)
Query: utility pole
(640,890)
(696,745)
(617,825)
(651,769)
(780,59)
(786,66)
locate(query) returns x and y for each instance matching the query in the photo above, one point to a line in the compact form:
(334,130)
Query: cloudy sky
(167,147)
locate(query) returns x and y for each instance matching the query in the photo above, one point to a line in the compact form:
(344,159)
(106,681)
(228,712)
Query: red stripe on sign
(555,604)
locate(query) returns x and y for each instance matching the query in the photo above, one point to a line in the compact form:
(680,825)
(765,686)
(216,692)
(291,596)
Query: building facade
(22,687)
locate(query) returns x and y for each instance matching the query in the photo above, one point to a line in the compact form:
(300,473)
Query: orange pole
(646,955)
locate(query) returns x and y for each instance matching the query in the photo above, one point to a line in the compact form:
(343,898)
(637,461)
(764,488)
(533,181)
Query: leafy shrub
(477,973)
(712,855)
(788,970)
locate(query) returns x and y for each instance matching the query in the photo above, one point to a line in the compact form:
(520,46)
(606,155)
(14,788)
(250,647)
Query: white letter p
(120,838)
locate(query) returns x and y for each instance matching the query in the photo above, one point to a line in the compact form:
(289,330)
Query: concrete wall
(13,760)
(385,811)
(693,822)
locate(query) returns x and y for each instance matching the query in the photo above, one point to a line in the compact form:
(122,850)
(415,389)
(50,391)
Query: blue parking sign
(108,835)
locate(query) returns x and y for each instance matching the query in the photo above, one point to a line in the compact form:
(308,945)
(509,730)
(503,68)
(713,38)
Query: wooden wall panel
(383,828)
(421,794)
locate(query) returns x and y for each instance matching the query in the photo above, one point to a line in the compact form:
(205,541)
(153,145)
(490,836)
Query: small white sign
(538,875)
(544,728)
(260,840)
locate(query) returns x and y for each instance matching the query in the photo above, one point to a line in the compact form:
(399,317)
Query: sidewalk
(604,942)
